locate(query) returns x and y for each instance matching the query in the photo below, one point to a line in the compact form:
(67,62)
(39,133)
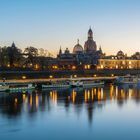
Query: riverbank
(66,74)
(38,81)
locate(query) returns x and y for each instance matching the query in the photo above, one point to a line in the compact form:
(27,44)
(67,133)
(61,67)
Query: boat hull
(89,84)
(4,88)
(93,85)
(55,86)
(21,89)
(127,80)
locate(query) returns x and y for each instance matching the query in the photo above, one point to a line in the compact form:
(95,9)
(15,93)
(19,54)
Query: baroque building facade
(120,61)
(90,57)
(82,57)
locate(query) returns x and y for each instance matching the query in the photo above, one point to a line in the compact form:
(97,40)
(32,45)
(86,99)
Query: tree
(32,54)
(4,60)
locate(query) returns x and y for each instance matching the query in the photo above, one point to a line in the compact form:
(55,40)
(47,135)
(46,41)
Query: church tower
(13,45)
(90,34)
(90,46)
(60,51)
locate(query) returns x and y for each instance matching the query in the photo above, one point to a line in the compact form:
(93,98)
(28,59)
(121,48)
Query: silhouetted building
(80,56)
(90,46)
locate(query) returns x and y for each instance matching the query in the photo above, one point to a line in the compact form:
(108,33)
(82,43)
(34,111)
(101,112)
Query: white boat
(92,83)
(21,88)
(85,82)
(128,80)
(58,84)
(4,87)
(73,82)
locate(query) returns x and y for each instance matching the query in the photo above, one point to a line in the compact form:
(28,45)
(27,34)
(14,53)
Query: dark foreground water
(108,112)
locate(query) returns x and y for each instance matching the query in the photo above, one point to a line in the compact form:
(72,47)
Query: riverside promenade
(45,74)
(39,81)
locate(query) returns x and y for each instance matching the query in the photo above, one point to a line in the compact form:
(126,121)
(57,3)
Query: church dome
(120,53)
(67,51)
(77,48)
(90,45)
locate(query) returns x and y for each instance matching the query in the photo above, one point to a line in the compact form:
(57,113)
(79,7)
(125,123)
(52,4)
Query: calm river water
(108,112)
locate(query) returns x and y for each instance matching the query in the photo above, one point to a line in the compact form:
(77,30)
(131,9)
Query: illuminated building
(120,61)
(81,58)
(78,49)
(90,46)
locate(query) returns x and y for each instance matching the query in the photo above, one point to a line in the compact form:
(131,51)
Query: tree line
(12,57)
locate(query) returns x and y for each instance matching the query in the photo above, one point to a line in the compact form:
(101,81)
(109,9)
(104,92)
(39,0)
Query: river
(110,112)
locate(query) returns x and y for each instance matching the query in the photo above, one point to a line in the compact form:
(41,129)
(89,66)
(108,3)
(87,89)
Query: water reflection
(14,105)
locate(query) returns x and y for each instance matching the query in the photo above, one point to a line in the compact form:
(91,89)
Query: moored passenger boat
(57,84)
(85,82)
(128,80)
(4,87)
(17,88)
(92,83)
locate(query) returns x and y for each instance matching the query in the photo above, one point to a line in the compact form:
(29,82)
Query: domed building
(90,45)
(78,49)
(120,55)
(89,55)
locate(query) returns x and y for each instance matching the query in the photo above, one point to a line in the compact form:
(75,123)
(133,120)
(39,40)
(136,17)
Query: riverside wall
(66,73)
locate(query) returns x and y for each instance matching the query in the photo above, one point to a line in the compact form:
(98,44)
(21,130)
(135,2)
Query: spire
(77,41)
(90,34)
(90,27)
(60,51)
(13,45)
(100,49)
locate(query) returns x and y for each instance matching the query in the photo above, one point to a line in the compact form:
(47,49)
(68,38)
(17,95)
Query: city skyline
(50,24)
(69,69)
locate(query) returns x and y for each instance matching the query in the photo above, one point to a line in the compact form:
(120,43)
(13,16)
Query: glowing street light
(24,77)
